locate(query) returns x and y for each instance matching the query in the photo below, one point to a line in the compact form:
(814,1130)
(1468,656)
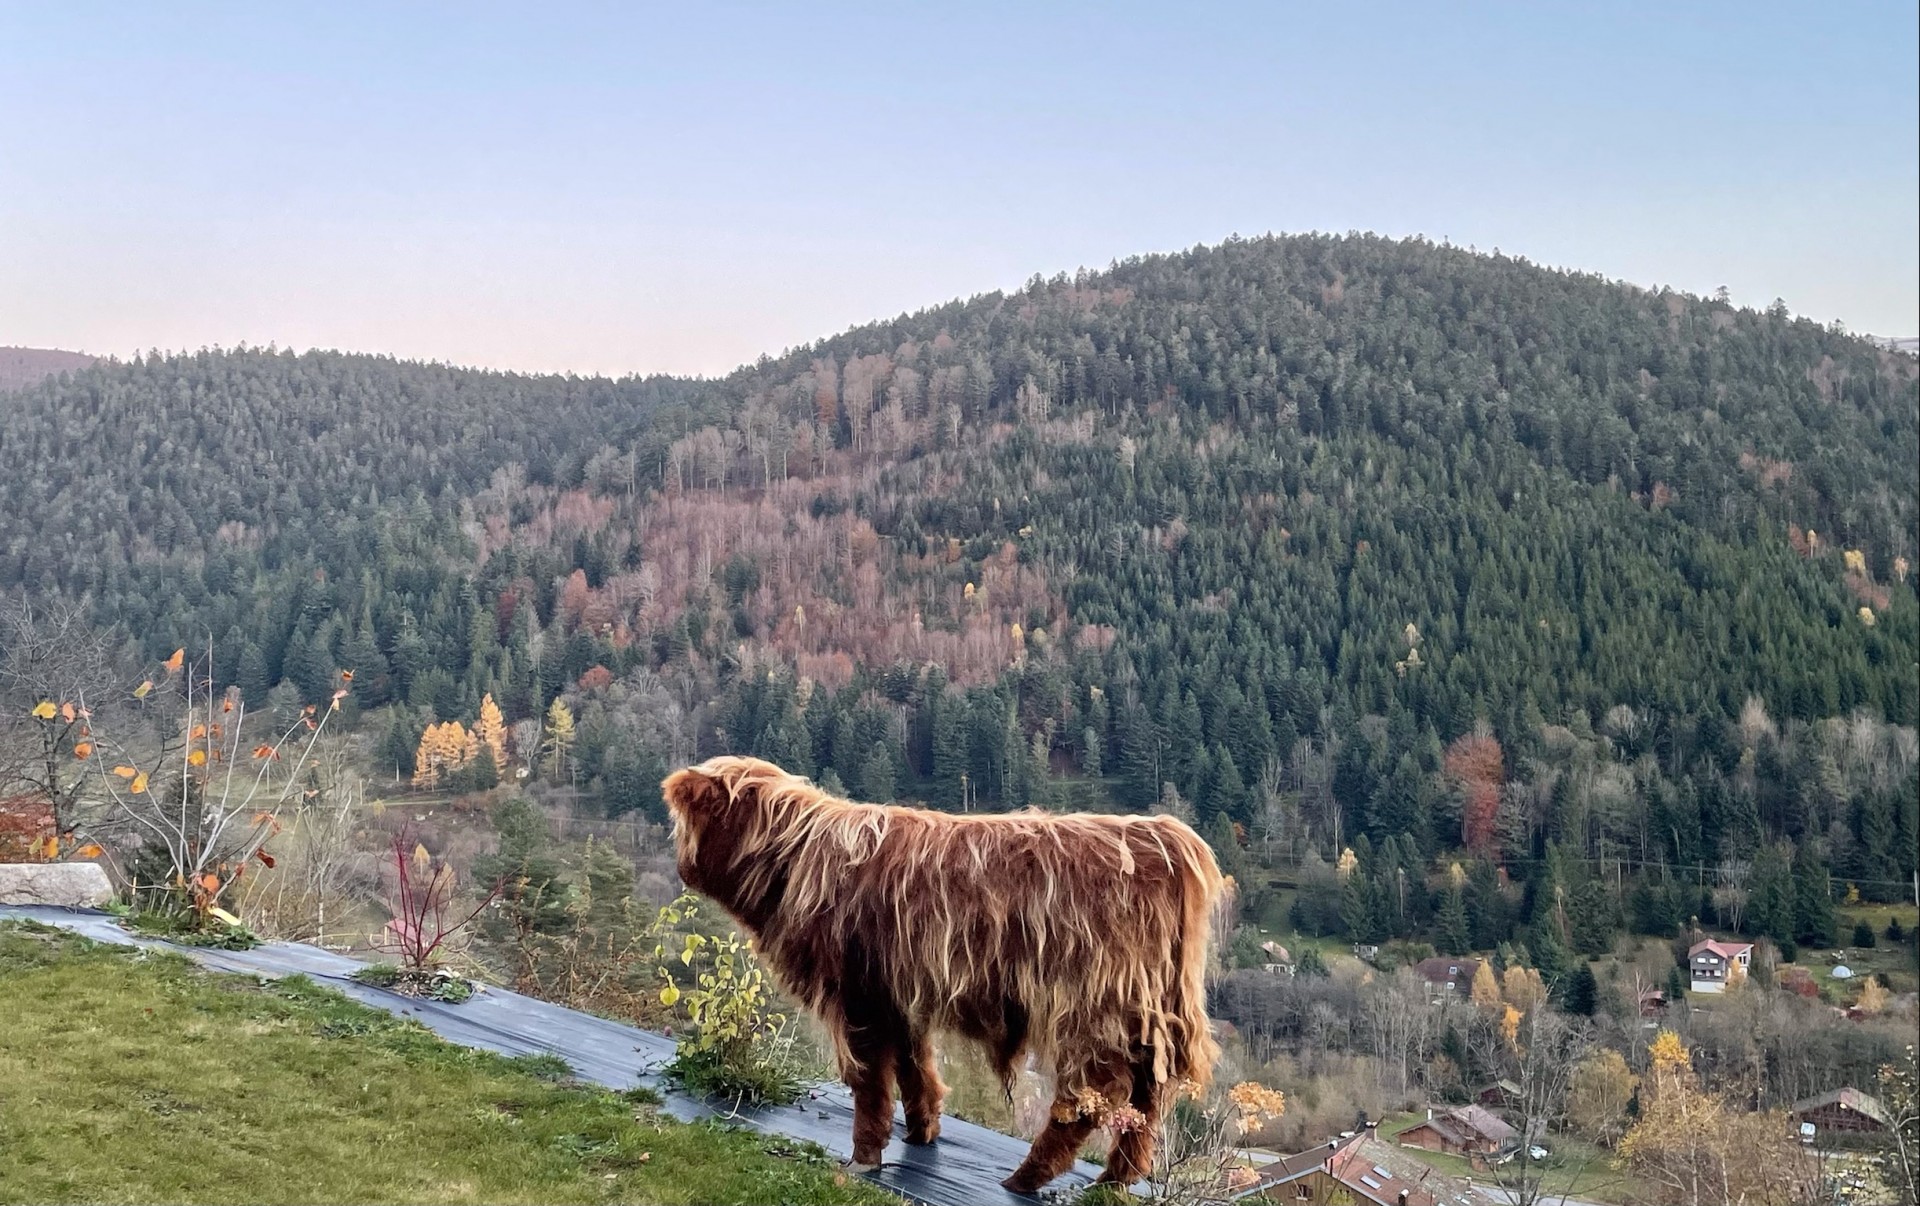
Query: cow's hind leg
(921,1090)
(1132,1154)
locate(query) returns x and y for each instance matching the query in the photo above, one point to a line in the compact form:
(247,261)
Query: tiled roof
(1726,950)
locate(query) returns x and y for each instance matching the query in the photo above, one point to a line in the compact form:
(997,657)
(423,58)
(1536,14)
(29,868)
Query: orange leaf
(176,661)
(50,849)
(125,772)
(307,711)
(67,713)
(226,705)
(83,750)
(140,692)
(43,710)
(346,676)
(265,751)
(262,817)
(138,785)
(197,758)
(265,858)
(199,731)
(312,725)
(90,850)
(210,882)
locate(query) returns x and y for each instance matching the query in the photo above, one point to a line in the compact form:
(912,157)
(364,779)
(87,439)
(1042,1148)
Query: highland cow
(1081,939)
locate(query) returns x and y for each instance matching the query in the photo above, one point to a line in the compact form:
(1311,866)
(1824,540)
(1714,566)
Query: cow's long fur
(1082,939)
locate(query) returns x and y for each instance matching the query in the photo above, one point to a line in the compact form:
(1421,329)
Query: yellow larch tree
(491,729)
(444,748)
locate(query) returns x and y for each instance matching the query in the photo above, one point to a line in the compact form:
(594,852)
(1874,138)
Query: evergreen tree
(556,742)
(876,775)
(1226,846)
(1583,991)
(1813,923)
(1455,937)
(533,887)
(1591,918)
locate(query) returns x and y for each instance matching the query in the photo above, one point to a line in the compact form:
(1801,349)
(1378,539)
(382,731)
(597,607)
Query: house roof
(1440,1125)
(1443,970)
(1482,1121)
(1852,1099)
(1346,1162)
(1726,950)
(1375,1182)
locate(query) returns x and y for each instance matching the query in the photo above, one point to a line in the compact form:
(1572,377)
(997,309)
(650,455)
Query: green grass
(136,1077)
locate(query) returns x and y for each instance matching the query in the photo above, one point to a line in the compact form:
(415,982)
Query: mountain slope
(1278,528)
(28,366)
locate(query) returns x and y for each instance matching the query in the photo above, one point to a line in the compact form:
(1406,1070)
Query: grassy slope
(131,1078)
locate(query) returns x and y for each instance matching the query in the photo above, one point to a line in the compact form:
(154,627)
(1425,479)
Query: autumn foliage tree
(191,800)
(556,743)
(1693,1147)
(444,749)
(1477,765)
(490,730)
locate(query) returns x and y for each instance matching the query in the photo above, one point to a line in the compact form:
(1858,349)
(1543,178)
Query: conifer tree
(490,730)
(556,741)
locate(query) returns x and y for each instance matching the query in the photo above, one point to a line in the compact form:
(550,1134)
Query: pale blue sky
(618,188)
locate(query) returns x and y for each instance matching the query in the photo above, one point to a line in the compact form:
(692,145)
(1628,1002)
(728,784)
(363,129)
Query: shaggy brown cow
(1083,939)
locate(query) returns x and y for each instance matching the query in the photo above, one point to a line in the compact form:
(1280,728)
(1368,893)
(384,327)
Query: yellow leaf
(43,710)
(140,692)
(50,849)
(125,772)
(138,785)
(669,995)
(421,859)
(90,850)
(223,915)
(177,660)
(197,758)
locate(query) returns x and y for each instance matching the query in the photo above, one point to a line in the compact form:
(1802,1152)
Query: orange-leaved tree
(1476,762)
(189,791)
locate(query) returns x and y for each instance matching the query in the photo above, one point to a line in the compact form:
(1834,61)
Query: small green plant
(430,983)
(739,1046)
(190,929)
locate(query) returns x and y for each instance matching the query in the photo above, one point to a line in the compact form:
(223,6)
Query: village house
(1448,976)
(1499,1095)
(1711,964)
(1338,1173)
(1279,960)
(1469,1130)
(1841,1111)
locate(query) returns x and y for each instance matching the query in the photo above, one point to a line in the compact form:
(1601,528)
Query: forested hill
(1332,536)
(26,366)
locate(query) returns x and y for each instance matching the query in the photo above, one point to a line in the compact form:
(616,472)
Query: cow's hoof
(860,1166)
(924,1135)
